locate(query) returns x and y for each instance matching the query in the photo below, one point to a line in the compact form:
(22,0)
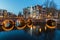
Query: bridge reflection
(23,35)
(36,28)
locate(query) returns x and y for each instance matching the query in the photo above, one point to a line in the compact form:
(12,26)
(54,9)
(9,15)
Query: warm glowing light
(40,30)
(29,23)
(29,26)
(20,21)
(20,28)
(4,25)
(52,27)
(34,27)
(49,16)
(45,28)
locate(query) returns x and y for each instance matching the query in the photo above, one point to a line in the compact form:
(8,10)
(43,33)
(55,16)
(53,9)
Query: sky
(17,5)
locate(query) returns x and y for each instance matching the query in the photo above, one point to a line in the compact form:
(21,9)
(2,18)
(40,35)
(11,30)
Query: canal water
(22,35)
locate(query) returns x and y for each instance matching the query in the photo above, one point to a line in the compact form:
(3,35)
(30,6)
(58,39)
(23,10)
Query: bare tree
(19,14)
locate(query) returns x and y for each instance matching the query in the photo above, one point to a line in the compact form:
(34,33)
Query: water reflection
(32,34)
(22,35)
(49,34)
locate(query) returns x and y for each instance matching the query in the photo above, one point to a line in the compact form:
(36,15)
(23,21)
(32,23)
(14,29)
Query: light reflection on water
(22,35)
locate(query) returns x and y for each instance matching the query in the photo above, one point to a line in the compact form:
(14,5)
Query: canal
(22,35)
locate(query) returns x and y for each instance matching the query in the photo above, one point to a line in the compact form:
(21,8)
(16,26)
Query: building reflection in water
(45,34)
(49,34)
